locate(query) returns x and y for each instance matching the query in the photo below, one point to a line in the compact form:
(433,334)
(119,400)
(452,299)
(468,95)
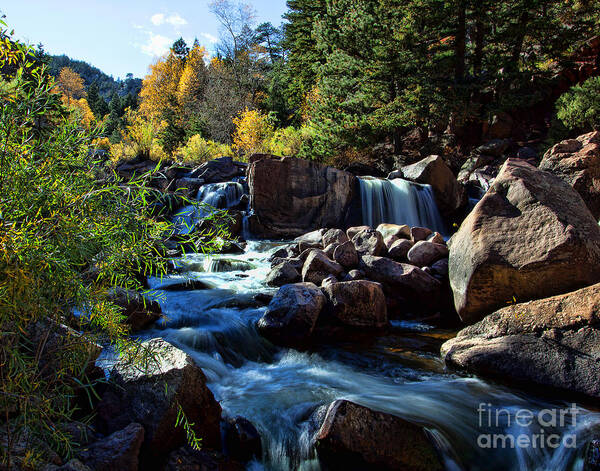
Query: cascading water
(210,197)
(400,373)
(399,201)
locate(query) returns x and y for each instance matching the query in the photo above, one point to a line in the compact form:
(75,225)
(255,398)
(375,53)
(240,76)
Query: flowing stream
(280,389)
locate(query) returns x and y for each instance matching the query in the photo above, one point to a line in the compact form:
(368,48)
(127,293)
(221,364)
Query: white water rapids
(400,373)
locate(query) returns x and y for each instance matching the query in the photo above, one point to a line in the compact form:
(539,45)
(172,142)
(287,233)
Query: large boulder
(119,450)
(358,303)
(346,255)
(411,283)
(530,237)
(425,253)
(450,196)
(354,437)
(577,161)
(151,390)
(292,196)
(318,266)
(292,314)
(334,236)
(552,342)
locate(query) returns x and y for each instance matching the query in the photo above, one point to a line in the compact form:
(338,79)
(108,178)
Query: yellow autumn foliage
(253,129)
(193,77)
(199,150)
(160,87)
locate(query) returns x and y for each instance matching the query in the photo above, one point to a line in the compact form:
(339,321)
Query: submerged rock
(292,314)
(242,440)
(354,437)
(531,236)
(553,342)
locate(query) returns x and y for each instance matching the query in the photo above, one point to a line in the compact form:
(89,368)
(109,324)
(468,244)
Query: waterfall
(210,197)
(399,201)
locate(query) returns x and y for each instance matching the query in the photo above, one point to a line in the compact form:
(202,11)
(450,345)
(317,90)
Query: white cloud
(157,45)
(209,37)
(158,19)
(174,19)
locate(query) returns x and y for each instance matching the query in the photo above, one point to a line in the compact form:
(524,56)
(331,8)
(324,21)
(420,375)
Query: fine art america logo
(526,428)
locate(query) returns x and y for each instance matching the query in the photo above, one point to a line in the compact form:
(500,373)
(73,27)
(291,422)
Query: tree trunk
(459,45)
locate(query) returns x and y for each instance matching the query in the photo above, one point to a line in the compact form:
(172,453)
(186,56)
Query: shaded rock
(291,196)
(330,250)
(334,236)
(354,275)
(530,237)
(449,195)
(475,161)
(500,126)
(494,148)
(263,298)
(119,450)
(187,459)
(358,303)
(527,153)
(389,241)
(292,314)
(189,186)
(242,440)
(317,267)
(552,342)
(354,437)
(418,234)
(283,274)
(346,255)
(440,268)
(577,161)
(592,459)
(425,253)
(72,465)
(399,231)
(152,391)
(219,170)
(329,280)
(140,311)
(404,280)
(484,177)
(369,242)
(187,285)
(436,238)
(399,250)
(352,231)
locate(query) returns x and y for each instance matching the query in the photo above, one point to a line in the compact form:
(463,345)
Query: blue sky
(120,37)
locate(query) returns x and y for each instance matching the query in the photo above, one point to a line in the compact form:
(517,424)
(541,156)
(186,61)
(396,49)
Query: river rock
(140,311)
(354,275)
(188,459)
(418,234)
(317,267)
(530,237)
(334,236)
(352,231)
(283,274)
(425,253)
(354,437)
(152,394)
(346,255)
(369,242)
(389,241)
(399,231)
(292,314)
(436,238)
(242,440)
(328,280)
(577,161)
(449,195)
(399,250)
(330,250)
(291,196)
(592,459)
(440,268)
(552,342)
(401,279)
(313,238)
(119,450)
(357,303)
(219,170)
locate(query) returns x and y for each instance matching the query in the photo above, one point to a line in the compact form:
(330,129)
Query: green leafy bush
(579,108)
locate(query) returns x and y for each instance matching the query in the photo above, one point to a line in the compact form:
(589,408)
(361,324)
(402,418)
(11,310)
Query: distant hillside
(90,74)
